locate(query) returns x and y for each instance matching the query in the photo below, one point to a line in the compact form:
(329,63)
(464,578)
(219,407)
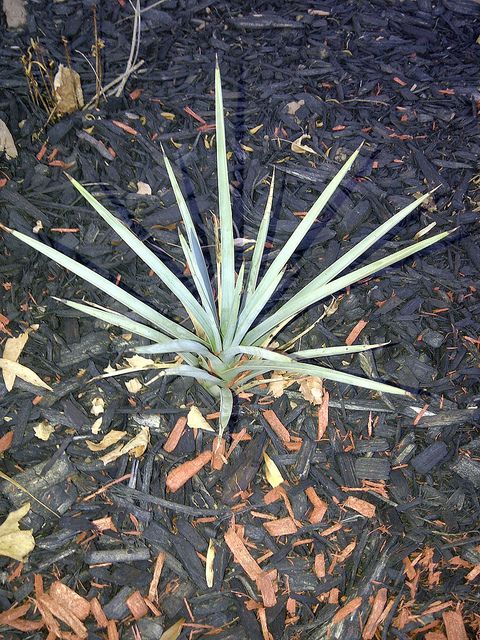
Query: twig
(134,48)
(107,88)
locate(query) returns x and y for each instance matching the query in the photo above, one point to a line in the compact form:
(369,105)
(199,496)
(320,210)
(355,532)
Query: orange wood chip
(69,599)
(323,415)
(6,441)
(363,507)
(355,332)
(125,127)
(347,610)
(63,614)
(277,426)
(175,435)
(98,613)
(241,554)
(330,530)
(137,605)
(112,631)
(218,453)
(474,573)
(157,572)
(179,476)
(454,626)
(319,506)
(281,527)
(265,584)
(236,438)
(319,566)
(376,611)
(435,635)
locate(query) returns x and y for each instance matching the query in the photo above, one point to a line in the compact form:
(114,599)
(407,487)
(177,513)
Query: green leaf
(304,369)
(116,319)
(257,352)
(261,296)
(306,297)
(233,313)
(226,408)
(260,243)
(175,346)
(227,254)
(98,281)
(327,352)
(197,257)
(170,280)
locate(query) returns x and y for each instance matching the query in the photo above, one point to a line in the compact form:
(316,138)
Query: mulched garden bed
(374,530)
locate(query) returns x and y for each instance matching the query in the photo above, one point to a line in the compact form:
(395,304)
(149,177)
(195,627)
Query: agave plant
(226,349)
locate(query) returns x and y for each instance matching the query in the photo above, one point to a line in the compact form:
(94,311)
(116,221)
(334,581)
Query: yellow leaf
(209,564)
(167,115)
(136,447)
(97,425)
(24,373)
(299,147)
(293,107)
(195,420)
(138,362)
(311,389)
(246,148)
(112,437)
(43,430)
(278,383)
(13,349)
(272,473)
(256,129)
(174,631)
(16,543)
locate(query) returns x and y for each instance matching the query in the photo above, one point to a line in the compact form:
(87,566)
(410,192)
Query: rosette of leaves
(227,347)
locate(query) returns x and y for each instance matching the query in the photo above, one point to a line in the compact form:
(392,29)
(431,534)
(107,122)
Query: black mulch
(403,76)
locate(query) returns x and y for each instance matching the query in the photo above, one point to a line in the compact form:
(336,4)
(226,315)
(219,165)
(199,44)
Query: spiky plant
(226,350)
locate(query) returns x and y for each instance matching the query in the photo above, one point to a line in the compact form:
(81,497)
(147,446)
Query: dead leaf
(139,362)
(43,430)
(136,447)
(279,382)
(24,373)
(68,90)
(112,437)
(195,420)
(294,106)
(144,189)
(299,147)
(16,543)
(209,575)
(174,631)
(12,350)
(272,473)
(311,389)
(134,385)
(7,143)
(98,406)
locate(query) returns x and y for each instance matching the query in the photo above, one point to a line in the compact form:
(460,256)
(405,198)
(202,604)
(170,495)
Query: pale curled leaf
(298,145)
(16,543)
(272,473)
(311,389)
(110,438)
(43,430)
(24,373)
(7,143)
(12,350)
(135,447)
(173,632)
(195,420)
(209,573)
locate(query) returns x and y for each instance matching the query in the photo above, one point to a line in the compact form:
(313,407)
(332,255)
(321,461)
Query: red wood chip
(175,435)
(454,626)
(137,605)
(179,476)
(355,332)
(347,610)
(323,415)
(281,527)
(360,506)
(374,618)
(274,421)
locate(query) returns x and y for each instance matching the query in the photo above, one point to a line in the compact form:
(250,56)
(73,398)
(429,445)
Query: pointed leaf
(226,408)
(326,352)
(227,260)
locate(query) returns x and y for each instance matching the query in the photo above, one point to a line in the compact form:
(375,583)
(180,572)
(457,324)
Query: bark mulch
(373,530)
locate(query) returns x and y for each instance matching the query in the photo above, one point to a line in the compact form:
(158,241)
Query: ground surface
(404,561)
